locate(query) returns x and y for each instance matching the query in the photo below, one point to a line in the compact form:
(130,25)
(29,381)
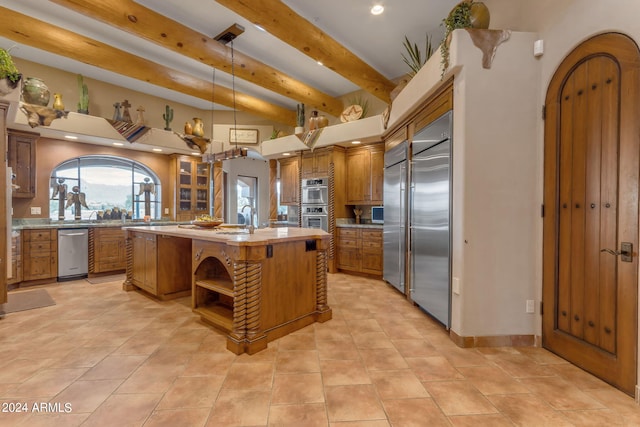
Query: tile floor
(105,357)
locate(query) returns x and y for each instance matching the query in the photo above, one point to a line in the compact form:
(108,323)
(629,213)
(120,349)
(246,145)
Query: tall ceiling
(167,48)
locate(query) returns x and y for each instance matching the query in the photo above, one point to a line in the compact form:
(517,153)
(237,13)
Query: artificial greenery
(459,17)
(83,104)
(414,58)
(362,102)
(8,69)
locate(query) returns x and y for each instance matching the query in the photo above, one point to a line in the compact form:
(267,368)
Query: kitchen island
(255,287)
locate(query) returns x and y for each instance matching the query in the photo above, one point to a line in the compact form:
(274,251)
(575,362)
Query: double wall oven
(315,203)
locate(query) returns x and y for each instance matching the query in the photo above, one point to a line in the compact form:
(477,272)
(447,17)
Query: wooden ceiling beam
(281,21)
(41,35)
(143,22)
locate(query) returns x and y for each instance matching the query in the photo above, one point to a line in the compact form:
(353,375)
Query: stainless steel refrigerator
(395,216)
(430,213)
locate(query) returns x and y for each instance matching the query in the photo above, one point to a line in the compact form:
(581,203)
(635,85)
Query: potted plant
(466,14)
(9,74)
(414,58)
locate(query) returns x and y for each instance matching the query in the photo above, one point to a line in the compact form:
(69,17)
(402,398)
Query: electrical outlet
(166,211)
(531,308)
(36,210)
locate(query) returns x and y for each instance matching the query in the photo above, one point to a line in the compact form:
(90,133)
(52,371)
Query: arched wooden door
(590,253)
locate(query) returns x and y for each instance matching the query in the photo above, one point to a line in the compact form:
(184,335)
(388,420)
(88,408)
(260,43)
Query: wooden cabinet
(16,258)
(289,181)
(21,155)
(365,175)
(315,164)
(192,187)
(161,264)
(360,250)
(40,254)
(107,250)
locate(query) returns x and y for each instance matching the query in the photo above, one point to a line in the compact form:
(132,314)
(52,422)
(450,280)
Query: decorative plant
(362,102)
(168,117)
(459,17)
(414,58)
(300,115)
(83,104)
(8,69)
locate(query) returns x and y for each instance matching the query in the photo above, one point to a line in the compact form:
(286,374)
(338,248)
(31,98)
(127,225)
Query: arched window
(110,186)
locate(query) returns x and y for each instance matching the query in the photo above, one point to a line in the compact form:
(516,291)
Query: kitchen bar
(256,287)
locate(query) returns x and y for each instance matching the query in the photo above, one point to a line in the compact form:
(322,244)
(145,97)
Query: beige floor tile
(55,420)
(596,418)
(240,408)
(382,359)
(560,394)
(414,347)
(353,403)
(528,410)
(83,357)
(338,350)
(520,366)
(298,341)
(579,378)
(401,384)
(343,372)
(492,380)
(372,423)
(151,379)
(372,340)
(297,388)
(123,410)
(86,396)
(491,420)
(192,392)
(21,370)
(308,415)
(204,364)
(47,383)
(114,367)
(191,417)
(459,398)
(297,361)
(249,376)
(434,368)
(415,412)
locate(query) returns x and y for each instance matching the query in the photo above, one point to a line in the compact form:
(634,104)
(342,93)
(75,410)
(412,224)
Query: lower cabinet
(360,250)
(40,254)
(16,258)
(108,248)
(161,264)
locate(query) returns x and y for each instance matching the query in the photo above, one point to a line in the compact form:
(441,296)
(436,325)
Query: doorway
(246,187)
(590,240)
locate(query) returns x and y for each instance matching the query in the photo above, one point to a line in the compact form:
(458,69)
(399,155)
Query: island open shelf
(254,287)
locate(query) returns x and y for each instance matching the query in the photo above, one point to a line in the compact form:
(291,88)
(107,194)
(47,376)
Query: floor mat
(27,300)
(106,279)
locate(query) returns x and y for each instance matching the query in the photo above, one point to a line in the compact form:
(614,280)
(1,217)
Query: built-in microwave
(315,191)
(377,214)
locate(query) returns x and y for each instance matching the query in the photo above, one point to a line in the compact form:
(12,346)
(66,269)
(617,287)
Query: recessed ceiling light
(195,154)
(286,154)
(259,27)
(157,149)
(319,63)
(377,9)
(118,144)
(355,142)
(71,137)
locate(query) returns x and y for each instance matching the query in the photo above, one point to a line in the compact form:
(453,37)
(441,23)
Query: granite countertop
(235,236)
(46,223)
(350,223)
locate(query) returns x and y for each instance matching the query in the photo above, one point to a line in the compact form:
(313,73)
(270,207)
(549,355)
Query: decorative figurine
(126,116)
(198,127)
(60,191)
(140,118)
(57,101)
(188,129)
(168,117)
(148,188)
(77,199)
(117,115)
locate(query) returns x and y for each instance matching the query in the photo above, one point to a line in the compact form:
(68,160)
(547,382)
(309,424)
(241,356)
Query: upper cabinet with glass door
(192,187)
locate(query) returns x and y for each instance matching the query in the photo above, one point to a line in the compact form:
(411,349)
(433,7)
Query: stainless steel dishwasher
(73,253)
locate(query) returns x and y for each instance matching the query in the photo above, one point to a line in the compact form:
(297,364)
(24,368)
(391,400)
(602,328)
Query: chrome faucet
(251,227)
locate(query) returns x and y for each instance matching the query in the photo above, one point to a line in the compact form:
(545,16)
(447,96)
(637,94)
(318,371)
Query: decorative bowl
(206,224)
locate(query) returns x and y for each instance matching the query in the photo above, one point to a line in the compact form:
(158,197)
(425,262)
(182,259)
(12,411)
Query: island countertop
(233,236)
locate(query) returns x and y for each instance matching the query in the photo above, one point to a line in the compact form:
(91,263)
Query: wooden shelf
(218,314)
(221,285)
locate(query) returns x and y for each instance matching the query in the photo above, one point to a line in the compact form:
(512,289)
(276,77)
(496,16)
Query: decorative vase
(57,101)
(198,127)
(480,16)
(323,121)
(7,86)
(188,129)
(34,91)
(313,120)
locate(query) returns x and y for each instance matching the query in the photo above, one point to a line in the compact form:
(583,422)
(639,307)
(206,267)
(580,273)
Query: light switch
(35,210)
